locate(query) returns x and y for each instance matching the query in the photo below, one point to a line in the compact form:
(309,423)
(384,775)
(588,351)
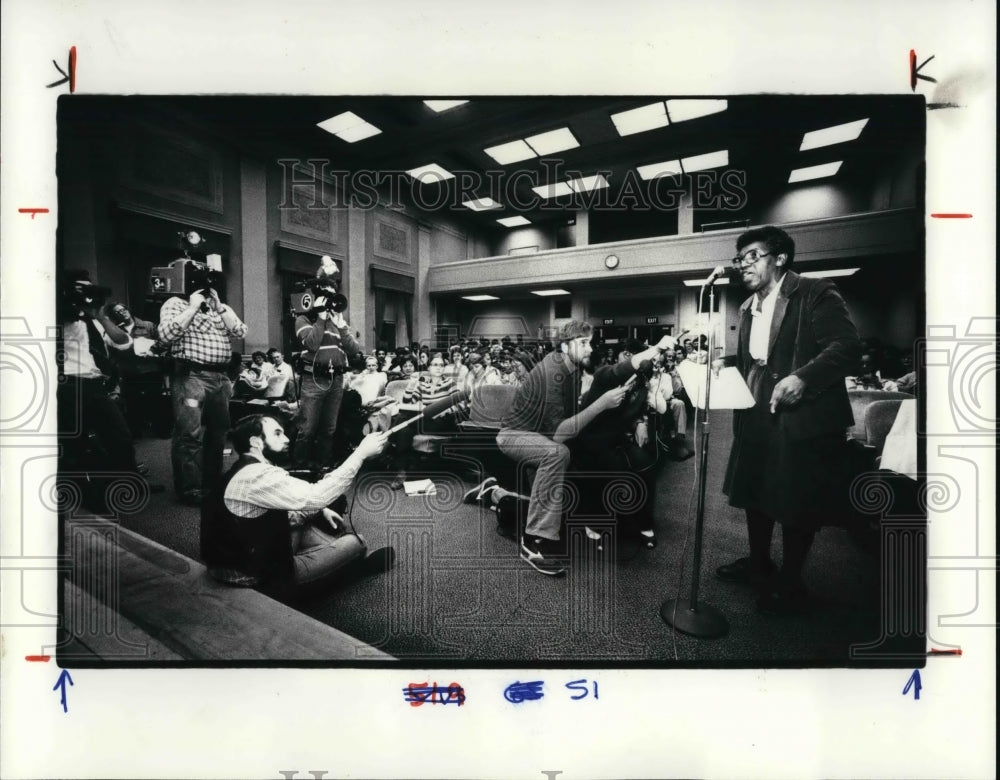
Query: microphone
(717,273)
(434,409)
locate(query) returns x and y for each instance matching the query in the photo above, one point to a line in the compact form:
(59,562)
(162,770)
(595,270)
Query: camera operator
(88,375)
(608,444)
(198,331)
(141,369)
(329,346)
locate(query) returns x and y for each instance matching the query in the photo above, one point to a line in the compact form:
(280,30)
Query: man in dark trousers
(789,459)
(280,534)
(328,349)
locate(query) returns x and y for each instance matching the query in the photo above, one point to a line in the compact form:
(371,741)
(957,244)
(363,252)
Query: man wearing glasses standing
(789,459)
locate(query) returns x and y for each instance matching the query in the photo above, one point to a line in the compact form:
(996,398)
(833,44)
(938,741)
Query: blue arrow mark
(914,682)
(61,683)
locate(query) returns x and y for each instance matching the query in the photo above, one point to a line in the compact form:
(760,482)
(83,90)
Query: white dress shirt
(762,312)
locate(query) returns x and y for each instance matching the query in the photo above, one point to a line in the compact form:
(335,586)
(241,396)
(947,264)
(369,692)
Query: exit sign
(652,320)
(609,320)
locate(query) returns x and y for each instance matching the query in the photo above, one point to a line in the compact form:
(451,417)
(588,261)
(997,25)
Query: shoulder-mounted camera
(78,295)
(305,294)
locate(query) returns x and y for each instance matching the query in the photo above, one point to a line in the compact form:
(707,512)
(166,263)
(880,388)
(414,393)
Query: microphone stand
(688,615)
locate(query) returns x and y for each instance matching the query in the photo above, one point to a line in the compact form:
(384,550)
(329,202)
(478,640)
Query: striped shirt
(262,486)
(206,338)
(425,389)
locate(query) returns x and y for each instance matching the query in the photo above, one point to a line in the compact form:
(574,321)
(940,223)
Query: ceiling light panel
(553,141)
(588,183)
(815,172)
(828,274)
(556,190)
(349,127)
(480,298)
(431,174)
(639,120)
(828,136)
(512,152)
(513,221)
(683,110)
(481,204)
(703,162)
(668,168)
(546,293)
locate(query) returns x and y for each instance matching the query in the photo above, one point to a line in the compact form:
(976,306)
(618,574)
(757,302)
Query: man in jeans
(329,346)
(545,414)
(200,348)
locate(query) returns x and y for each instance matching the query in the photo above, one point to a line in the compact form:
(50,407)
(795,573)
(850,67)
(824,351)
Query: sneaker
(540,554)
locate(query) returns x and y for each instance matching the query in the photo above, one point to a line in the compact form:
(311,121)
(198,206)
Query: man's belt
(323,369)
(193,365)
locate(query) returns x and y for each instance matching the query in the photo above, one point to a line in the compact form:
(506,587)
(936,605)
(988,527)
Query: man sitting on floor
(277,533)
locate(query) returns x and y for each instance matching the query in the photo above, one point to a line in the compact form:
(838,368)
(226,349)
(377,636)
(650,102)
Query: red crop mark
(72,69)
(38,658)
(33,211)
(933,651)
(952,216)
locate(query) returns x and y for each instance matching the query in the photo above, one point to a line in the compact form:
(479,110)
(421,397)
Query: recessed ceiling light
(668,168)
(700,282)
(556,190)
(512,152)
(815,172)
(443,105)
(513,221)
(430,174)
(481,204)
(683,110)
(348,127)
(553,141)
(480,298)
(837,134)
(834,272)
(639,120)
(588,183)
(702,162)
(550,292)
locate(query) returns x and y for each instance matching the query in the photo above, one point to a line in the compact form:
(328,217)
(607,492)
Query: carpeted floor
(460,595)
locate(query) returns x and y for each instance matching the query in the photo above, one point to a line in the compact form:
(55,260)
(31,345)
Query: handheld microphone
(434,409)
(719,271)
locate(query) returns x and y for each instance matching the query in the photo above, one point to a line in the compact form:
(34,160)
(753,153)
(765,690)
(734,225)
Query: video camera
(77,294)
(183,277)
(304,294)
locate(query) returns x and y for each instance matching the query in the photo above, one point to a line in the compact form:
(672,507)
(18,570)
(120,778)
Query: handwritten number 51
(581,689)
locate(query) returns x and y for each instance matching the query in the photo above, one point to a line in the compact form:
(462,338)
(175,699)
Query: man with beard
(277,533)
(789,462)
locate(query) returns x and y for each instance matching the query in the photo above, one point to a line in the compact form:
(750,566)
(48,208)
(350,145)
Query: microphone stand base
(699,620)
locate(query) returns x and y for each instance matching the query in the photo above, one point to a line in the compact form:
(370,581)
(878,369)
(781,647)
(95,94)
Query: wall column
(685,215)
(423,324)
(261,290)
(581,230)
(360,315)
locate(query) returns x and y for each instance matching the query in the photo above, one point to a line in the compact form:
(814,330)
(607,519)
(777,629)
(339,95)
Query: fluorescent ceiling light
(837,134)
(512,152)
(702,162)
(443,105)
(683,110)
(668,168)
(349,127)
(834,272)
(553,141)
(588,183)
(815,172)
(480,298)
(700,282)
(556,190)
(481,204)
(639,120)
(550,292)
(513,221)
(431,174)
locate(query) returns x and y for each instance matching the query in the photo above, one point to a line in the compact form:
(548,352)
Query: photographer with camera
(88,375)
(329,346)
(198,332)
(141,370)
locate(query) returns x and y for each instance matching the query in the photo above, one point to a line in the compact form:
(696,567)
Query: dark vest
(260,547)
